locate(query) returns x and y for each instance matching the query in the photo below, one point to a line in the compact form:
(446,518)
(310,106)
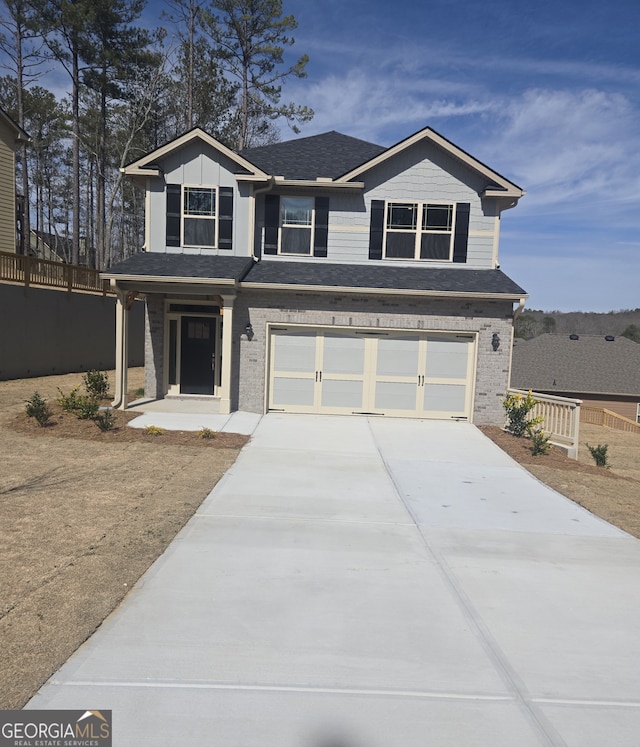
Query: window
(296,225)
(419,230)
(199,216)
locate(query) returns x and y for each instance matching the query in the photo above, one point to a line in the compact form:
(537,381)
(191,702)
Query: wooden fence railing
(609,419)
(561,419)
(18,268)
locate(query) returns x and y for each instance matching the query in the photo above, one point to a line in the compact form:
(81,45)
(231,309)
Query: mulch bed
(520,450)
(66,425)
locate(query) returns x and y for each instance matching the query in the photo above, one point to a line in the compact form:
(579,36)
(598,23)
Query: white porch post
(122,350)
(227,353)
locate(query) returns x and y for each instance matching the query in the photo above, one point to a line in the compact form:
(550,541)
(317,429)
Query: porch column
(227,353)
(122,350)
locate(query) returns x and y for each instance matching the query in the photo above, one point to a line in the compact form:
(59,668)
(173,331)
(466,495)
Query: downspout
(259,191)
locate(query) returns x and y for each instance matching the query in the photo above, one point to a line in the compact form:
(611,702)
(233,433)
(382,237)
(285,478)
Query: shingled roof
(174,266)
(455,280)
(328,155)
(587,365)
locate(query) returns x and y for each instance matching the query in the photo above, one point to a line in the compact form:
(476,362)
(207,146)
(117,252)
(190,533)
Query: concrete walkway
(363,582)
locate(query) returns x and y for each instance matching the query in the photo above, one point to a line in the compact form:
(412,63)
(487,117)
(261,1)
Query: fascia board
(20,134)
(195,134)
(380,291)
(174,280)
(511,189)
(318,183)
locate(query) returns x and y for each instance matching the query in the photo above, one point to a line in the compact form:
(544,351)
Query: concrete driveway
(363,582)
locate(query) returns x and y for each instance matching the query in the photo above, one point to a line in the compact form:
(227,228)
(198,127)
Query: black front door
(197,346)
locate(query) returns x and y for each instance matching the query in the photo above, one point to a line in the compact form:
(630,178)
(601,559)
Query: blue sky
(548,94)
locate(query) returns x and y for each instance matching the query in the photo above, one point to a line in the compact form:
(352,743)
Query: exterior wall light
(495,341)
(249,331)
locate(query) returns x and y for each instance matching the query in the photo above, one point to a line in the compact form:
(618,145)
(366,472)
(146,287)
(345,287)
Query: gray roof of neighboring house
(588,365)
(157,264)
(328,155)
(362,276)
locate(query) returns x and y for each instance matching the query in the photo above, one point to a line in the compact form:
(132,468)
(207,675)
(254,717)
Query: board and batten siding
(7,190)
(198,165)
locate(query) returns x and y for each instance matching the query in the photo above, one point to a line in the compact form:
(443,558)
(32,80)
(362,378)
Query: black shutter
(321,227)
(461,232)
(271,223)
(225,220)
(376,230)
(174,211)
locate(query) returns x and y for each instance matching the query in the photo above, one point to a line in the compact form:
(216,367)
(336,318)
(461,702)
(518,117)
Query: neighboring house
(323,275)
(49,246)
(601,371)
(10,138)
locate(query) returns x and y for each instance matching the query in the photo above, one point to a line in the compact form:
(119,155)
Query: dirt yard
(82,519)
(86,513)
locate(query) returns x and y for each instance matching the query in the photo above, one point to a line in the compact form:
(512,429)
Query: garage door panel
(397,356)
(295,352)
(292,391)
(445,398)
(396,395)
(338,393)
(447,359)
(343,355)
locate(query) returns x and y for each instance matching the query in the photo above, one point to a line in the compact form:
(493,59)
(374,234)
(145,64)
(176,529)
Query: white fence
(561,419)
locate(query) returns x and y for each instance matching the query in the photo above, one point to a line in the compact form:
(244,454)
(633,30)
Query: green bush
(599,454)
(105,420)
(37,408)
(518,408)
(539,442)
(69,402)
(97,384)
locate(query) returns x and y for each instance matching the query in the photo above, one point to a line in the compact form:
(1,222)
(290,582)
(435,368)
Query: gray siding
(198,165)
(422,173)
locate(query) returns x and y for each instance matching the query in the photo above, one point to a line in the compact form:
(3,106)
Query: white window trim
(418,231)
(214,218)
(282,225)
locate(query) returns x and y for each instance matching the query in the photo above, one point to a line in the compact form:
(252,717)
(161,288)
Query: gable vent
(574,337)
(609,338)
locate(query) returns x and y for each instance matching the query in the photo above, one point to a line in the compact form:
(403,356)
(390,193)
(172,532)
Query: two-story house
(11,136)
(323,275)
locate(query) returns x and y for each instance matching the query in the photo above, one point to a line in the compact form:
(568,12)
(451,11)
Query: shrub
(518,408)
(105,420)
(69,402)
(206,433)
(539,442)
(599,454)
(153,430)
(37,408)
(87,407)
(97,384)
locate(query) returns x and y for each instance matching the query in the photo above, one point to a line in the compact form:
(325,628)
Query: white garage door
(427,375)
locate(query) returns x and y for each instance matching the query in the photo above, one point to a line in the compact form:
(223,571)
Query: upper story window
(296,225)
(199,216)
(419,230)
(423,231)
